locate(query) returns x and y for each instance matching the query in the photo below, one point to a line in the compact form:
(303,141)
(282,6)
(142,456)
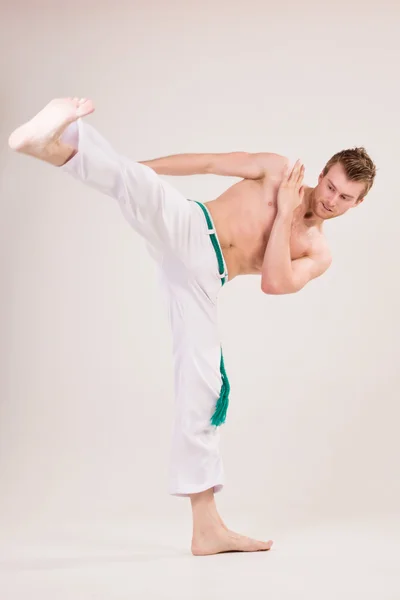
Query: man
(269,223)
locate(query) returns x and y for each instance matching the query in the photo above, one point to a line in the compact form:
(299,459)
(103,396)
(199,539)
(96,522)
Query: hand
(291,190)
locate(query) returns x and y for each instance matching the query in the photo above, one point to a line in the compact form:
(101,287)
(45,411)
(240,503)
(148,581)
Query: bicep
(247,165)
(309,267)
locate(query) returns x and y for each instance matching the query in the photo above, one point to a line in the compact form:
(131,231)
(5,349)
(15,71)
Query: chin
(321,214)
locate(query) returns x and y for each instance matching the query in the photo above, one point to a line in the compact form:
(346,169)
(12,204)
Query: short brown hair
(357,165)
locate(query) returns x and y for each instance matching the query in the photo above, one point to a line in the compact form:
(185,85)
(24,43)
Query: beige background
(85,370)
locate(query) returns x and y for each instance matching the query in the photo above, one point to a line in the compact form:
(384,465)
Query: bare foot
(40,137)
(220,540)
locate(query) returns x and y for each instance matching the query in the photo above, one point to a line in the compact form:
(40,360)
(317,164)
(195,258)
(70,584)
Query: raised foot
(39,136)
(222,540)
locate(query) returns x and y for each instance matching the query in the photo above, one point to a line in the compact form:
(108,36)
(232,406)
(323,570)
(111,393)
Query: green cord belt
(221,408)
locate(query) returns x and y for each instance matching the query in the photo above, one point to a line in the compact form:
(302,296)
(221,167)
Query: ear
(359,201)
(320,177)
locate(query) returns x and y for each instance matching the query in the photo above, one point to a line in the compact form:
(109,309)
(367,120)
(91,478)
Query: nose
(331,201)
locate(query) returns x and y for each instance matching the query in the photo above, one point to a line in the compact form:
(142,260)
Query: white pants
(177,237)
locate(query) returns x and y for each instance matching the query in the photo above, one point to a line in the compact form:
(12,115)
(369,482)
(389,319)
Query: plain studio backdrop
(86,370)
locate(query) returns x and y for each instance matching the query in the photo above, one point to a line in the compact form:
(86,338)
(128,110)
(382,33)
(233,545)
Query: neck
(305,211)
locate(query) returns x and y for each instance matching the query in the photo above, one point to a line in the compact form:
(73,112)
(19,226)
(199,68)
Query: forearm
(230,164)
(277,271)
(181,164)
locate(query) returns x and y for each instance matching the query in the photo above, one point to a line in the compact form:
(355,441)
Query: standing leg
(210,534)
(192,284)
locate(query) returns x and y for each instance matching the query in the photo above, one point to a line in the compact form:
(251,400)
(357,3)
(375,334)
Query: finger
(285,175)
(300,175)
(294,174)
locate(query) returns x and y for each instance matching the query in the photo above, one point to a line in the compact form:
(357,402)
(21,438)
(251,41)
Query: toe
(266,545)
(257,546)
(85,107)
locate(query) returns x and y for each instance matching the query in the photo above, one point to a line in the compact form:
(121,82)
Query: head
(344,183)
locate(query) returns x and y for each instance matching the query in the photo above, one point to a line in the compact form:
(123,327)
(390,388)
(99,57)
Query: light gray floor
(346,560)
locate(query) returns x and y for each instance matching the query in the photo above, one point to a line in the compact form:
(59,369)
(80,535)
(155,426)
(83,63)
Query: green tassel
(219,415)
(221,408)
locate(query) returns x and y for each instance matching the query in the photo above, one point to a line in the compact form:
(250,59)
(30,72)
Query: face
(335,194)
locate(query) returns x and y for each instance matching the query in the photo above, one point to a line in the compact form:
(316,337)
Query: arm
(234,164)
(282,275)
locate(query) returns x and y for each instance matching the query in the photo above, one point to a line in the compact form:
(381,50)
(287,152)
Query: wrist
(284,213)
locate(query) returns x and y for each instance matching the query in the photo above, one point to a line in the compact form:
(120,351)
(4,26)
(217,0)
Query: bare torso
(243,218)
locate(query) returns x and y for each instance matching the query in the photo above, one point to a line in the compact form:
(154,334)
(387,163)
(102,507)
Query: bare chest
(244,216)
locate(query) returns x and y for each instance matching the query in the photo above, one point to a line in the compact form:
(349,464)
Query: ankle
(59,153)
(202,498)
(203,505)
(205,514)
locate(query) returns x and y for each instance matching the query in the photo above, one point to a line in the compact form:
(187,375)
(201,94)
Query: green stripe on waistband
(215,242)
(219,416)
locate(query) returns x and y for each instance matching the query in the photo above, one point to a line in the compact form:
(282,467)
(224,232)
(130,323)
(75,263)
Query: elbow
(275,288)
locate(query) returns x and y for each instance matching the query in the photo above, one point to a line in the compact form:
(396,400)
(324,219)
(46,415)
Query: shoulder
(271,164)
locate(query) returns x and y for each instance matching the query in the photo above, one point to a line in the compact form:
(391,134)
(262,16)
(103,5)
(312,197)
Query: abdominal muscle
(243,217)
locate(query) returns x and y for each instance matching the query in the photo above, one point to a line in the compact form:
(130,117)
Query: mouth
(325,208)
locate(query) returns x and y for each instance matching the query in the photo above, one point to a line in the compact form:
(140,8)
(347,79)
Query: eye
(330,187)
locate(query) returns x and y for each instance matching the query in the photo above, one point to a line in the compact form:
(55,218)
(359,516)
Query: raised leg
(59,135)
(41,136)
(176,227)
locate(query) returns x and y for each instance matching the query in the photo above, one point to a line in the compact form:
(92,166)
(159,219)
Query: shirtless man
(269,223)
